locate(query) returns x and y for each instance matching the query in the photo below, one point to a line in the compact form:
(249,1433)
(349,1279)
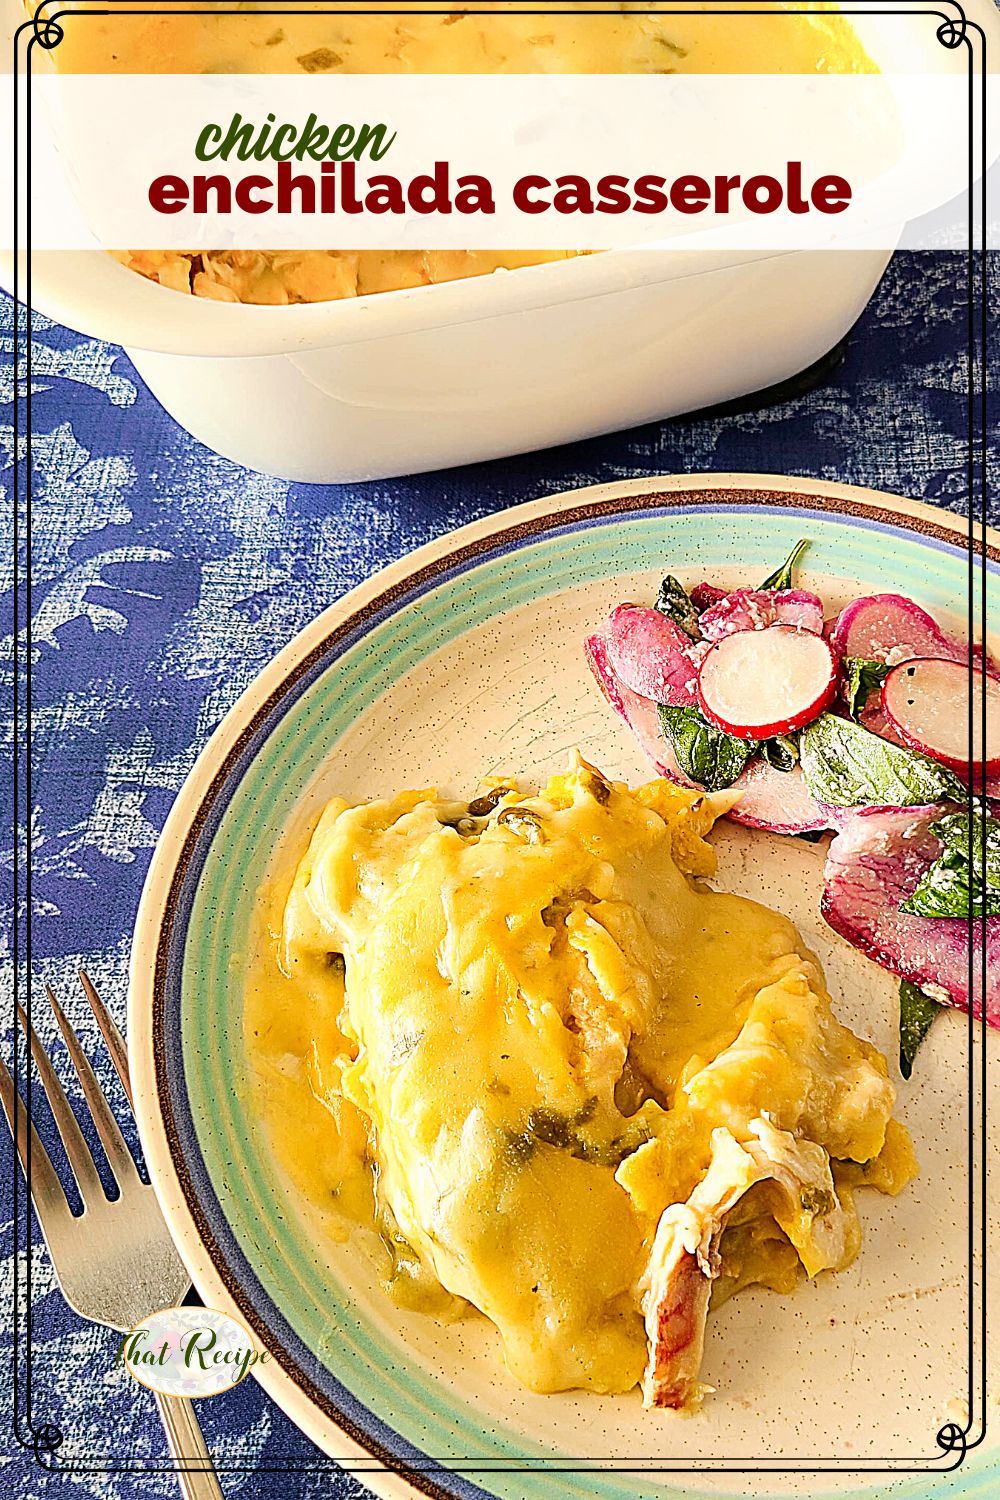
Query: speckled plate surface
(462,660)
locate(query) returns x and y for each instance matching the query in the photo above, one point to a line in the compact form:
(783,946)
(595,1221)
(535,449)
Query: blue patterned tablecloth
(165,577)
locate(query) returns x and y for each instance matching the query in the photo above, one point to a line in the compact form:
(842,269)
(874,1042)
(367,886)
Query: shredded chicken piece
(684,1260)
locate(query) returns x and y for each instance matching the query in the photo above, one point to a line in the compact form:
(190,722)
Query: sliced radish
(927,702)
(652,655)
(892,628)
(756,609)
(874,719)
(638,712)
(873,865)
(774,800)
(757,683)
(780,801)
(704,595)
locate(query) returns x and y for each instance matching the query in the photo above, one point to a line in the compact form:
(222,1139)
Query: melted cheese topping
(514,1035)
(810,38)
(511,37)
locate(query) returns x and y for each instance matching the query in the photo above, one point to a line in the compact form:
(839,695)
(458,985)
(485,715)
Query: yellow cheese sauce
(511,1036)
(481,36)
(514,38)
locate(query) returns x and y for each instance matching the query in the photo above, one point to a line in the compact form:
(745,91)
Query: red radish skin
(873,865)
(892,628)
(756,609)
(652,656)
(757,683)
(775,801)
(704,595)
(638,712)
(927,701)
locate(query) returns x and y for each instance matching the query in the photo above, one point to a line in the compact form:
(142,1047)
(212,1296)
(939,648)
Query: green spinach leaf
(917,1013)
(705,754)
(782,577)
(954,884)
(863,677)
(781,752)
(849,766)
(674,601)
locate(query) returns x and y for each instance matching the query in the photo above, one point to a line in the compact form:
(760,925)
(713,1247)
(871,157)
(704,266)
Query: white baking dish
(431,377)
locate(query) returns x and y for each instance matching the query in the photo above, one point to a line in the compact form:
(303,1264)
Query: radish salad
(873,724)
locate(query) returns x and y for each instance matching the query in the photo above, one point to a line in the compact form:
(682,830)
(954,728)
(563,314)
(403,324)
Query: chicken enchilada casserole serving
(568,1083)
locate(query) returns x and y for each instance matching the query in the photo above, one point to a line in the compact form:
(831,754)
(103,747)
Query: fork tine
(115,1149)
(46,1189)
(113,1038)
(77,1150)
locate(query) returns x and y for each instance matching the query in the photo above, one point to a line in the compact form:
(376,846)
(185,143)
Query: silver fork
(115,1262)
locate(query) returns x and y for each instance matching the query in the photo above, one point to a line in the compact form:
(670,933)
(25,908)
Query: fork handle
(187,1446)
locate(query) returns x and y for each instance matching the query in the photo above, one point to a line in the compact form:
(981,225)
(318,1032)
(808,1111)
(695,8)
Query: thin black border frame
(953,32)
